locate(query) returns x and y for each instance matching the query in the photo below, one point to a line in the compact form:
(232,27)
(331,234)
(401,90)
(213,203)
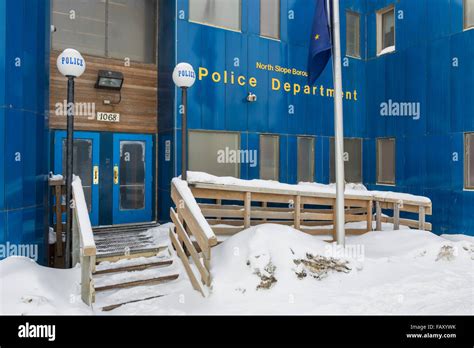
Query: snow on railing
(83,244)
(258,195)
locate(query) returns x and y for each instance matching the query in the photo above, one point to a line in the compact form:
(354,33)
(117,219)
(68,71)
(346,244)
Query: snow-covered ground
(272,269)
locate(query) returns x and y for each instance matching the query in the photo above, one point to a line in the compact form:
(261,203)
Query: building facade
(408,106)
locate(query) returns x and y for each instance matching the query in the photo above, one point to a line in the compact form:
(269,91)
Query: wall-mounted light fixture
(251,97)
(112,81)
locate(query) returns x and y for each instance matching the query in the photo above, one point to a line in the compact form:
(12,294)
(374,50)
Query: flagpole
(338,126)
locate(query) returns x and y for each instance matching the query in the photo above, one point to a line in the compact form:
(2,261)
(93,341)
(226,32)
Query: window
(386,161)
(468,14)
(352,160)
(352,34)
(132,175)
(269,157)
(386,31)
(132,30)
(469,161)
(106,28)
(305,159)
(79,24)
(82,166)
(220,13)
(270,18)
(216,153)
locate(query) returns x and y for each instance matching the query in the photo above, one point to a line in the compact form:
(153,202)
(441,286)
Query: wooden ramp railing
(310,212)
(83,245)
(397,206)
(191,226)
(224,210)
(58,192)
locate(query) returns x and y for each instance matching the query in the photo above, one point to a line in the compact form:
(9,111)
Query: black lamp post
(184,78)
(70,64)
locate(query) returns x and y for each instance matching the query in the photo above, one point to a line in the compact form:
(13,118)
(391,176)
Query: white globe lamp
(70,63)
(184,75)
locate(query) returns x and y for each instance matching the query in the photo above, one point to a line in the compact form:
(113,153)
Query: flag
(320,45)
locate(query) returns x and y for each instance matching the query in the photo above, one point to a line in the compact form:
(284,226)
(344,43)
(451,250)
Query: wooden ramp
(205,211)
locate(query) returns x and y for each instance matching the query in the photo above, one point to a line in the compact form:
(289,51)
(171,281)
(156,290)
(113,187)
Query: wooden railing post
(396,216)
(84,248)
(369,216)
(76,242)
(264,206)
(297,209)
(378,216)
(422,218)
(59,222)
(247,209)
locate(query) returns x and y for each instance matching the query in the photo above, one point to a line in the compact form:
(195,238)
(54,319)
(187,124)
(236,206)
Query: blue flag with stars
(320,46)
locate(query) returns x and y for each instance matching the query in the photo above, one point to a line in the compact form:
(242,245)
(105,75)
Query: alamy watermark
(228,155)
(79,109)
(404,109)
(26,250)
(353,251)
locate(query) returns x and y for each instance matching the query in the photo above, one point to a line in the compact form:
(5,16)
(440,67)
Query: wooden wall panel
(138,108)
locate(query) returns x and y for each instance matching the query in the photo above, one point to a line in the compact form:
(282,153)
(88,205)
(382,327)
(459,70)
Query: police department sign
(70,63)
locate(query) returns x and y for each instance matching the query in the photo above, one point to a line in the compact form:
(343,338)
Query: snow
(398,196)
(56,177)
(390,272)
(386,50)
(28,289)
(357,190)
(87,237)
(458,237)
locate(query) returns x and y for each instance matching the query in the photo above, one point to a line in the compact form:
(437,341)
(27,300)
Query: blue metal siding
(429,34)
(24,97)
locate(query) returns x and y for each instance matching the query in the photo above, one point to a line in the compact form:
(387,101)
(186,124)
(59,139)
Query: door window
(82,165)
(132,175)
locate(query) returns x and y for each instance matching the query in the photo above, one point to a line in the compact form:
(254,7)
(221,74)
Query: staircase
(134,263)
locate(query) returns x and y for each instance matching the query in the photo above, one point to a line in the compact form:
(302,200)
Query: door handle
(96,175)
(116,175)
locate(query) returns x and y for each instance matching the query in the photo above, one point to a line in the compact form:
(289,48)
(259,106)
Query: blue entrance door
(86,165)
(132,178)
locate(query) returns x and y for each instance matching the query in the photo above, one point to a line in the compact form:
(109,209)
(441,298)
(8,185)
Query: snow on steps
(132,278)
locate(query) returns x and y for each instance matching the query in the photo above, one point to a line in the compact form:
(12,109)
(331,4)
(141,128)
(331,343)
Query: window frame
(313,139)
(377,153)
(467,158)
(357,14)
(279,23)
(106,54)
(239,140)
(379,29)
(218,26)
(464,15)
(331,165)
(277,137)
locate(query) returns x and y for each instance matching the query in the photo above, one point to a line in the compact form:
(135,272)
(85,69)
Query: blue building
(408,73)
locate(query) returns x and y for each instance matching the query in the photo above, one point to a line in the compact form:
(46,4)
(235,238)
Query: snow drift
(274,269)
